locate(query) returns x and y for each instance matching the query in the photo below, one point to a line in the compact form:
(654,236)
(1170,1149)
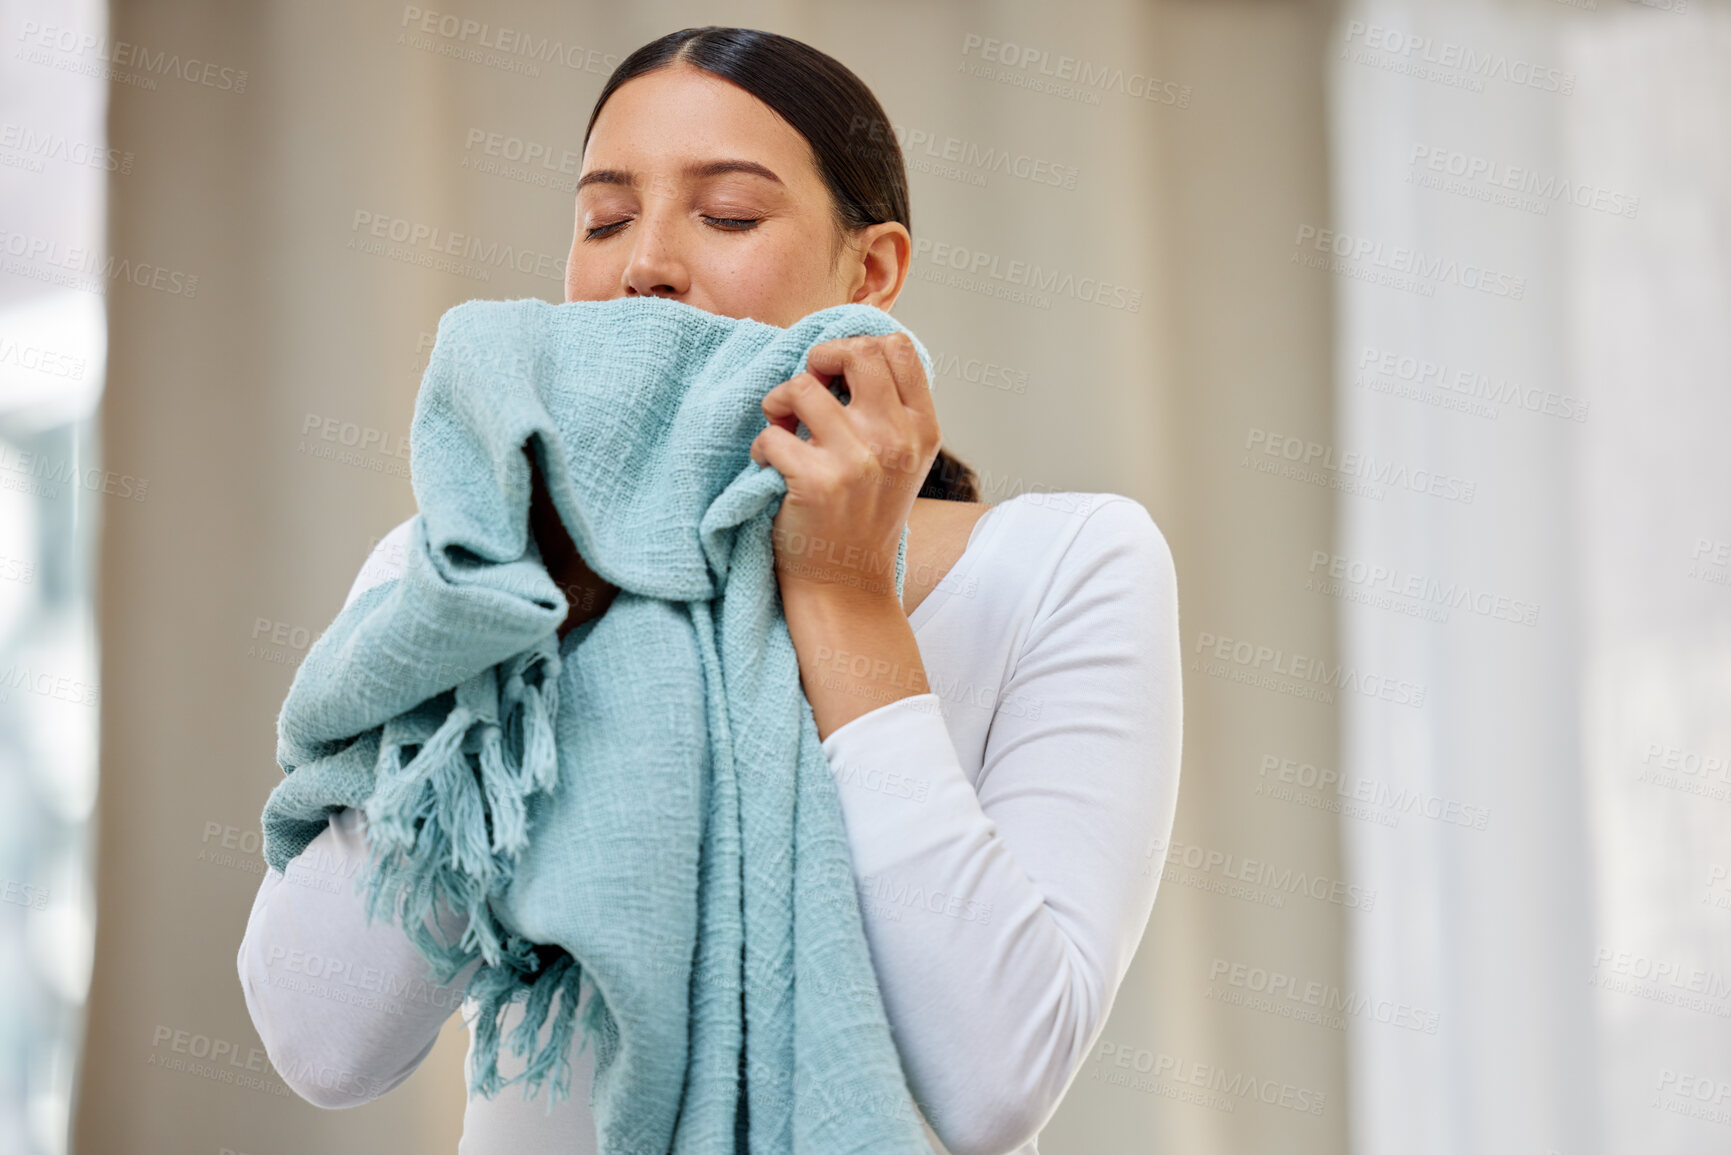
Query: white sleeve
(1002,922)
(345,1009)
(387,560)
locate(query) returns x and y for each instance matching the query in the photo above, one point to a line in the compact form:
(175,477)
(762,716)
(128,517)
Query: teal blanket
(643,808)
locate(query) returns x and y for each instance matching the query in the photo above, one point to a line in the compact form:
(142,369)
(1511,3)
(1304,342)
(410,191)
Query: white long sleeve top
(1000,827)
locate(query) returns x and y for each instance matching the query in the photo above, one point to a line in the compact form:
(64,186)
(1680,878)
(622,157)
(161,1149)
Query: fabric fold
(642,812)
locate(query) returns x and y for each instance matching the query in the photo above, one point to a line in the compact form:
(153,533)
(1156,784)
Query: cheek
(778,273)
(589,276)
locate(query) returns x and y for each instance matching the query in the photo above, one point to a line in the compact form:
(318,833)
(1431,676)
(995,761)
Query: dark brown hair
(828,105)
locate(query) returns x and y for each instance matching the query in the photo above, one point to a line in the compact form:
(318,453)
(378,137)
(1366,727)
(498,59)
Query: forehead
(677,116)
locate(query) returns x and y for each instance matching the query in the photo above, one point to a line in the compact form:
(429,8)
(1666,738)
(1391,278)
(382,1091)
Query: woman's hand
(851,487)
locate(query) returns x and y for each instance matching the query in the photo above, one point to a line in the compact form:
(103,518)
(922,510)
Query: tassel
(400,801)
(504,795)
(448,825)
(460,814)
(496,988)
(528,712)
(540,758)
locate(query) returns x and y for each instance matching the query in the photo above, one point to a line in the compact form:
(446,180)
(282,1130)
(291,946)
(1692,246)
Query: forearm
(345,1008)
(856,651)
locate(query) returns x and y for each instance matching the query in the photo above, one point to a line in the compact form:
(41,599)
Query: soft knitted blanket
(642,809)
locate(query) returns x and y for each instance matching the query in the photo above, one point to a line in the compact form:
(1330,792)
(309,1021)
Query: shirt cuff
(904,795)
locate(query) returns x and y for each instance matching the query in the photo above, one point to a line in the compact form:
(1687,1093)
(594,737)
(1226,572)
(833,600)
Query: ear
(882,255)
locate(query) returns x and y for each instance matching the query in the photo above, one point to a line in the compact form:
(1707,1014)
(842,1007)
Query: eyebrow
(617,176)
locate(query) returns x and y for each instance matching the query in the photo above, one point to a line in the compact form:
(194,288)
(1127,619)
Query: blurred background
(1410,323)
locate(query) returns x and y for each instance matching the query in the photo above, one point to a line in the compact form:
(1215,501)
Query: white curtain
(1533,220)
(54,164)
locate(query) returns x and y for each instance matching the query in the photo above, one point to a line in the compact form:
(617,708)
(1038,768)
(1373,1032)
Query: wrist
(856,651)
(841,569)
(842,596)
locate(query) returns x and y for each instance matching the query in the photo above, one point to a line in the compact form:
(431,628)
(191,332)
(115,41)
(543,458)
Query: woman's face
(694,189)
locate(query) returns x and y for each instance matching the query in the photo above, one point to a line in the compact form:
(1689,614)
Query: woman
(1005,739)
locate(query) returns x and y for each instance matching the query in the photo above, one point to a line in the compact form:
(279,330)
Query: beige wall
(255,192)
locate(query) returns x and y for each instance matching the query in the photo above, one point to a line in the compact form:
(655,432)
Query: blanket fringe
(448,825)
(496,988)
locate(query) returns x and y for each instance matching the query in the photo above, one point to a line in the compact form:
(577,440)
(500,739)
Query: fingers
(866,365)
(910,376)
(805,398)
(890,418)
(788,452)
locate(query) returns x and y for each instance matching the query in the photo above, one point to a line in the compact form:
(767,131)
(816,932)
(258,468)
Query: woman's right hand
(586,592)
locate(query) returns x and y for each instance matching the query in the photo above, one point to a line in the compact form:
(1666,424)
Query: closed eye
(604,230)
(725,224)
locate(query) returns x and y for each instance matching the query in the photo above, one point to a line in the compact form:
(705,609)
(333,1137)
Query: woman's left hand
(851,487)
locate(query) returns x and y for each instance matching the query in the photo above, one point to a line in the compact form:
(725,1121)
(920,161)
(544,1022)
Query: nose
(654,268)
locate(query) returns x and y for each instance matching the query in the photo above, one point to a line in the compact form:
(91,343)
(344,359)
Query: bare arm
(849,491)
